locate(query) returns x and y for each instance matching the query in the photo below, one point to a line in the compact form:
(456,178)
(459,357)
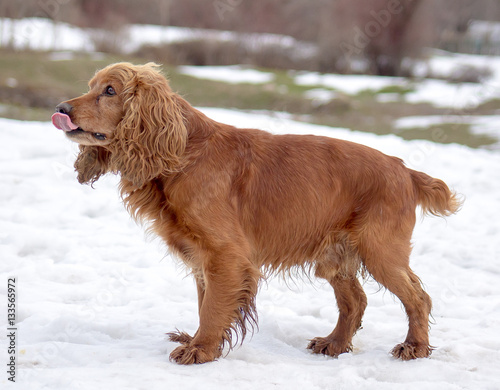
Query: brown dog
(234,202)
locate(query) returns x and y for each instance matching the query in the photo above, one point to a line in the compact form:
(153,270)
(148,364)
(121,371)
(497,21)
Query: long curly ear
(92,162)
(151,138)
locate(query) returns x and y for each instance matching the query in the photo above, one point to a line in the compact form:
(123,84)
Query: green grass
(489,107)
(36,70)
(24,113)
(448,133)
(42,83)
(402,90)
(279,95)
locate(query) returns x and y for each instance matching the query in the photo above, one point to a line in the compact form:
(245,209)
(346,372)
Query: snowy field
(229,74)
(96,297)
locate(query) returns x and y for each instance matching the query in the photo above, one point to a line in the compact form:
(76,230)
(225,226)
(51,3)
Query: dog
(239,204)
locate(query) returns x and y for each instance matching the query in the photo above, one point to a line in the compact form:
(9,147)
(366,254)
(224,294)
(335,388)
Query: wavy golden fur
(235,204)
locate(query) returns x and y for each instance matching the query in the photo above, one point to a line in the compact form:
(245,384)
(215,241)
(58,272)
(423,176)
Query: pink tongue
(63,122)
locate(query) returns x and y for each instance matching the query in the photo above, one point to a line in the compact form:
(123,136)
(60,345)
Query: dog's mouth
(63,122)
(79,130)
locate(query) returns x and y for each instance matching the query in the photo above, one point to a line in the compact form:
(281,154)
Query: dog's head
(131,112)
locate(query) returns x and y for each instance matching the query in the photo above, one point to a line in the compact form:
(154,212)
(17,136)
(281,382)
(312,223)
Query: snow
(44,34)
(148,34)
(350,84)
(443,63)
(462,95)
(440,93)
(456,96)
(484,29)
(320,94)
(437,92)
(228,74)
(484,124)
(95,296)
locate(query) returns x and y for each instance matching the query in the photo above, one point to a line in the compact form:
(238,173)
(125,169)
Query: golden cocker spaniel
(237,204)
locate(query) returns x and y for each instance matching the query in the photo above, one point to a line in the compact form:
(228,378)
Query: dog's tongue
(63,122)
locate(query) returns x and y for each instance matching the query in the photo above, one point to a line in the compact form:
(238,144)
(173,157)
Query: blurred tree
(98,13)
(13,10)
(380,34)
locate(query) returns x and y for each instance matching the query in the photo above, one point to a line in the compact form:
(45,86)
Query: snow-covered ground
(350,84)
(440,93)
(228,74)
(95,297)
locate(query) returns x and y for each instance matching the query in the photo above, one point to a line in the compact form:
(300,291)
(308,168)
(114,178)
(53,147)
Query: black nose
(64,108)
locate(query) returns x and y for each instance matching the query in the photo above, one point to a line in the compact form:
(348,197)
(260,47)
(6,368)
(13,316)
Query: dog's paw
(193,354)
(180,337)
(325,346)
(409,351)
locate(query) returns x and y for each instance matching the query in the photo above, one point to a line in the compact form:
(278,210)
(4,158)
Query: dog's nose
(64,108)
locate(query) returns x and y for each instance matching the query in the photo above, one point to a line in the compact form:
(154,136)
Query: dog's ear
(151,138)
(92,162)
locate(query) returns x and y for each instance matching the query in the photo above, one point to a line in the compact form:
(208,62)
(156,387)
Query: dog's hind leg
(351,302)
(389,264)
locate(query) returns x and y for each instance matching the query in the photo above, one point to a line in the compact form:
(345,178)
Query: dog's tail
(434,196)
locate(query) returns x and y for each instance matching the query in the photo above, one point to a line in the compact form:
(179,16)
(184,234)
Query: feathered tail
(434,196)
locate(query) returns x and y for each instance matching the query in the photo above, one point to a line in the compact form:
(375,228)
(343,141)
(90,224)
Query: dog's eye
(110,91)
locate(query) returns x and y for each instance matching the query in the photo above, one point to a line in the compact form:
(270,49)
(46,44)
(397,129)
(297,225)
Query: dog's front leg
(183,337)
(227,305)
